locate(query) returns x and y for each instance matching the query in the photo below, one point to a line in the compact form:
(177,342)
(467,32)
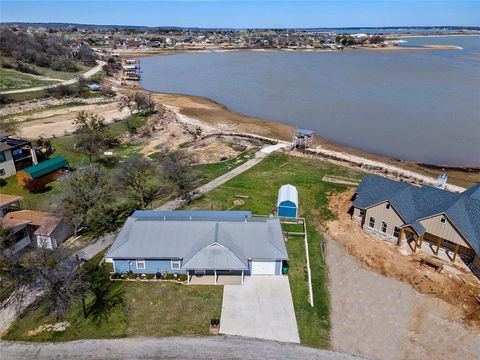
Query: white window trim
(138,262)
(370,221)
(175,262)
(386,227)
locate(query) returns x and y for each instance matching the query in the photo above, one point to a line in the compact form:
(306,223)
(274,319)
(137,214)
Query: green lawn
(150,309)
(212,171)
(11,80)
(262,183)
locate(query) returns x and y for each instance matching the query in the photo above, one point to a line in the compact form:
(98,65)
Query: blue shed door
(287,211)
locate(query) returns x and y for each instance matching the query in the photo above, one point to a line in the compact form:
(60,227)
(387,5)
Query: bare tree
(9,126)
(90,138)
(139,177)
(177,168)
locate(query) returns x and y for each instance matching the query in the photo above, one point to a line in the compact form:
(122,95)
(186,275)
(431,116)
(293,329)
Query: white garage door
(263,267)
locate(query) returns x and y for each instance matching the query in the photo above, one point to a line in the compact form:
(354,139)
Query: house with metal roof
(44,172)
(206,244)
(287,203)
(402,212)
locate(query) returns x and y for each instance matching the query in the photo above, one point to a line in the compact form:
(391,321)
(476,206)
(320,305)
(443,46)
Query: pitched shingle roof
(221,242)
(414,203)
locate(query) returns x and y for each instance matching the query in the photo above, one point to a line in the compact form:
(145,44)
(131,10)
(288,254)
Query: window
(443,219)
(371,223)
(176,264)
(384,227)
(396,232)
(362,212)
(3,157)
(140,264)
(387,206)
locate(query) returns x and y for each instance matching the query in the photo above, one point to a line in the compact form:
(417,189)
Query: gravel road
(198,348)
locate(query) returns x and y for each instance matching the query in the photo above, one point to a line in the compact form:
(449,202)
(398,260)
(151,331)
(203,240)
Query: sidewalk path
(212,347)
(86,75)
(259,156)
(9,313)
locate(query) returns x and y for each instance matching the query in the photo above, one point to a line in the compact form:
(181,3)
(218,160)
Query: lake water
(421,106)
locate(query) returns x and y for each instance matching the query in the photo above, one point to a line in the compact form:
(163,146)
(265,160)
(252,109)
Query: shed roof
(46,167)
(202,242)
(288,193)
(414,203)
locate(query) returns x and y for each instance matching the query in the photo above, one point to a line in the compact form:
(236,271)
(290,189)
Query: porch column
(400,237)
(457,246)
(188,276)
(418,243)
(215,276)
(421,241)
(439,243)
(242,277)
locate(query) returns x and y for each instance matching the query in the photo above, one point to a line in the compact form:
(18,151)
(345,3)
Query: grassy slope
(151,309)
(262,183)
(11,80)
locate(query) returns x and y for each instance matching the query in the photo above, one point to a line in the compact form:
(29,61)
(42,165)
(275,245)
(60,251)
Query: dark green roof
(46,167)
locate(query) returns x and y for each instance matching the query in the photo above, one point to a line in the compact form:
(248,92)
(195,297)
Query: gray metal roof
(205,242)
(414,203)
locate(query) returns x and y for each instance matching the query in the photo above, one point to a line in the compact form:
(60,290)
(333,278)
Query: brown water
(421,106)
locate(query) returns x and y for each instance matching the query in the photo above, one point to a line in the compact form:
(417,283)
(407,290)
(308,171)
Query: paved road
(260,308)
(198,348)
(259,156)
(86,75)
(9,313)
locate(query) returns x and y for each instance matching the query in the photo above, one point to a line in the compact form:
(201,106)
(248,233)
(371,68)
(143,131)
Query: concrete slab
(261,308)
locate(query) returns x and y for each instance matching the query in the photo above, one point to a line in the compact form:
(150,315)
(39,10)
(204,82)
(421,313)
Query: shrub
(34,186)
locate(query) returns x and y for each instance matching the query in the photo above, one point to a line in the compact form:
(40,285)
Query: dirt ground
(379,317)
(459,288)
(58,122)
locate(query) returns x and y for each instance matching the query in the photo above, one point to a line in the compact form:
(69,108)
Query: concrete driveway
(261,308)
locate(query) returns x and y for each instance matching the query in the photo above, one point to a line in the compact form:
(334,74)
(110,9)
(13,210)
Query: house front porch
(214,278)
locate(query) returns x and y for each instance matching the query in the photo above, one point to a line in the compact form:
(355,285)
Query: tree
(138,101)
(140,178)
(106,296)
(11,127)
(84,191)
(177,169)
(90,138)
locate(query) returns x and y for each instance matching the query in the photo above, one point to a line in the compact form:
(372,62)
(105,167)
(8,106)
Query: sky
(246,13)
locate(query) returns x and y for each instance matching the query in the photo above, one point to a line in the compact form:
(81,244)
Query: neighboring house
(44,172)
(36,228)
(201,243)
(287,203)
(399,211)
(7,165)
(21,151)
(9,203)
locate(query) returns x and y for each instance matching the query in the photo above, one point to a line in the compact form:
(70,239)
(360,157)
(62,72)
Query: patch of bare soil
(461,290)
(58,122)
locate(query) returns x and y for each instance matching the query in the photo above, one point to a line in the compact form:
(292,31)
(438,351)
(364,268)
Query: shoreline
(219,50)
(214,114)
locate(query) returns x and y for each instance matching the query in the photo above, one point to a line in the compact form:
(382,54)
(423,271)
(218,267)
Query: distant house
(287,203)
(402,212)
(9,203)
(94,87)
(36,228)
(199,243)
(44,172)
